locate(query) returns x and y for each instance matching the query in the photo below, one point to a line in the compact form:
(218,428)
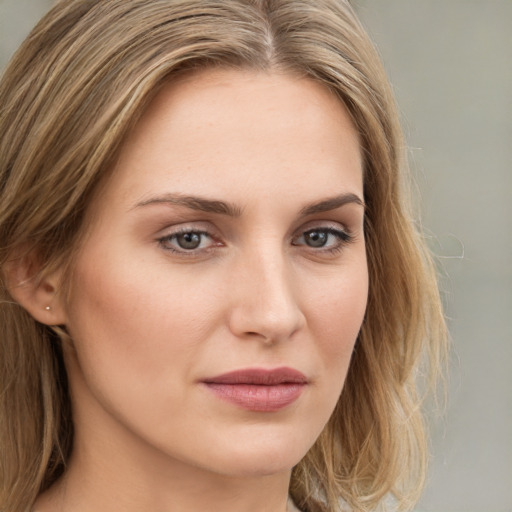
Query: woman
(214,297)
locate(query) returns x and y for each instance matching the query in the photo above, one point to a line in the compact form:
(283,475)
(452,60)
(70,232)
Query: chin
(261,456)
(260,466)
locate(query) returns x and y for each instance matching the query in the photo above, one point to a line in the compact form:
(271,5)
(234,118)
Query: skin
(150,320)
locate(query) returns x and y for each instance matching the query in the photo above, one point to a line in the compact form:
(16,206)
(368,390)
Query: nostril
(261,336)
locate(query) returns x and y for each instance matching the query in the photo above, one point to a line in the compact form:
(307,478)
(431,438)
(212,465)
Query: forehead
(226,130)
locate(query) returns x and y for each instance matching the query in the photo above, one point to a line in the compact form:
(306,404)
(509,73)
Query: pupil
(189,240)
(316,238)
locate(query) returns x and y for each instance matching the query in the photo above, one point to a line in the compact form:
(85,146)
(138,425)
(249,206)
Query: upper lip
(260,376)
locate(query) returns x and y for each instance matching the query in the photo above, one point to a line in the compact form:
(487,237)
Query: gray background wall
(451,65)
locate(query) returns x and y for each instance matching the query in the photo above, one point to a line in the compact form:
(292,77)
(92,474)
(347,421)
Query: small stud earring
(48,308)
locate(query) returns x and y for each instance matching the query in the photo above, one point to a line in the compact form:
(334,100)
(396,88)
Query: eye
(316,238)
(187,241)
(325,238)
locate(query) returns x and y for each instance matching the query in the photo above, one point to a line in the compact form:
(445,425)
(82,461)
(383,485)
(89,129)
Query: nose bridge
(265,298)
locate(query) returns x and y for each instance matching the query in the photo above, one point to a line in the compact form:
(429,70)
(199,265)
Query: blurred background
(450,63)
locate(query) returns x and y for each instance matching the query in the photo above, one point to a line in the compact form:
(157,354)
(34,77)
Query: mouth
(257,389)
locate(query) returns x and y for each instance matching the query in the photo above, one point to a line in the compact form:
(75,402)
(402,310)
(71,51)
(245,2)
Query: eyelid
(325,224)
(187,226)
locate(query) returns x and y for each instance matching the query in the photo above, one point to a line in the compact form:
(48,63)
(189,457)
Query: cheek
(335,317)
(125,319)
(137,334)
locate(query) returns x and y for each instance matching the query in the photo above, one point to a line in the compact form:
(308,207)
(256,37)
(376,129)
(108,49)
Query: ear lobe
(37,295)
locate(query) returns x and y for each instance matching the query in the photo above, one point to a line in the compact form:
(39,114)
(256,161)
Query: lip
(259,389)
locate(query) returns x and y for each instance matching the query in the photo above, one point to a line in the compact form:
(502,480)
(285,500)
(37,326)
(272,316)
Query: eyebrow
(201,204)
(332,203)
(221,207)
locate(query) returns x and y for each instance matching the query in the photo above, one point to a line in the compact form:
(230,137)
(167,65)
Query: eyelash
(343,239)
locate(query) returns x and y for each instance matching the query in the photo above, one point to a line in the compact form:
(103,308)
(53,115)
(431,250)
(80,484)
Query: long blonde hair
(72,92)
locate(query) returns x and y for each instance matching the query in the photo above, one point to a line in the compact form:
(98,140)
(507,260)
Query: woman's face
(217,298)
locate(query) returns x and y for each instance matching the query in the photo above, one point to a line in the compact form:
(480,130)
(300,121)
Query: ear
(37,295)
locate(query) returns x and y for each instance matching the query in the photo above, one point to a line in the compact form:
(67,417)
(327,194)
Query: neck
(81,493)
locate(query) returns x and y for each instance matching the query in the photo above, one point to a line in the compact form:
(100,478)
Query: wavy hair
(80,81)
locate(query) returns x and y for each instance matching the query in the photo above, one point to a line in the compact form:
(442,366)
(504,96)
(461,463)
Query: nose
(264,299)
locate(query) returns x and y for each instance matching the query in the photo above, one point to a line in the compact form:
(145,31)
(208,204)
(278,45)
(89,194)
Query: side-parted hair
(72,92)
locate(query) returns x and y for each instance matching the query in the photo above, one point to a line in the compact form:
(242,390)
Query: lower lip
(258,397)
